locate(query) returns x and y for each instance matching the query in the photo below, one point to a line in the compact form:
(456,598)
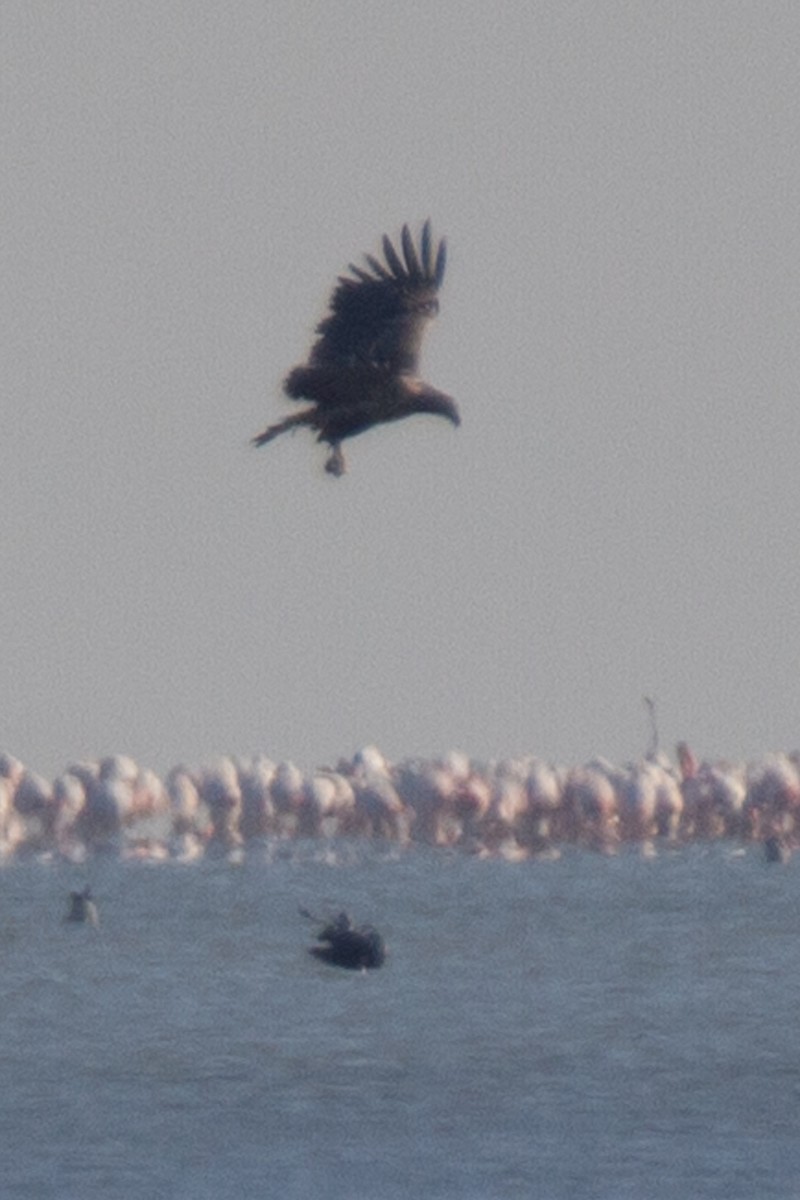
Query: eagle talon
(336,464)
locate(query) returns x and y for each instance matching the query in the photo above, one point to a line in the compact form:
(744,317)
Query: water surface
(591,1027)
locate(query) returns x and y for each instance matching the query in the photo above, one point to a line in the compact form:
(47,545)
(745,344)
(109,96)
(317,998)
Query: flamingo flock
(516,808)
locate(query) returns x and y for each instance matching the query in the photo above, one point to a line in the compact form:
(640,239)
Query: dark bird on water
(362,370)
(345,945)
(776,849)
(82,908)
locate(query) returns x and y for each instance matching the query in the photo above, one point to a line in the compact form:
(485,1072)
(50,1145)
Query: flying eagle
(362,370)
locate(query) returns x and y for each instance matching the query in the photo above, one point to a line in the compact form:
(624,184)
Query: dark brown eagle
(362,370)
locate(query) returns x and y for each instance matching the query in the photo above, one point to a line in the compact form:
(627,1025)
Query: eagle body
(362,370)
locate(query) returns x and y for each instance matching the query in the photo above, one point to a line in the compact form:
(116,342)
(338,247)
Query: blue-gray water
(592,1027)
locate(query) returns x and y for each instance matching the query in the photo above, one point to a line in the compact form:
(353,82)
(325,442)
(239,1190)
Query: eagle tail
(303,418)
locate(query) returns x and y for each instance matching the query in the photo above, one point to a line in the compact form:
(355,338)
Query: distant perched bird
(362,370)
(347,946)
(82,909)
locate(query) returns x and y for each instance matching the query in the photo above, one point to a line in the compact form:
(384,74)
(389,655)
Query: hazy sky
(618,513)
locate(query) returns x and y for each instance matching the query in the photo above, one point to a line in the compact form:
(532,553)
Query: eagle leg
(336,464)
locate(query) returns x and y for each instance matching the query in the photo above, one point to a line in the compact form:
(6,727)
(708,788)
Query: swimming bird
(345,945)
(776,849)
(83,909)
(362,370)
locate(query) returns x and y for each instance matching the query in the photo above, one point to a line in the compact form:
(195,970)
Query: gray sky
(618,513)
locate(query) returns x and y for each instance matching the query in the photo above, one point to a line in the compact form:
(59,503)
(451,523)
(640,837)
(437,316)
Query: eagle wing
(378,316)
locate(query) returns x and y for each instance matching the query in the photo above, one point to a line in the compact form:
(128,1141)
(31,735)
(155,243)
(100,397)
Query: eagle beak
(441,406)
(453,414)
